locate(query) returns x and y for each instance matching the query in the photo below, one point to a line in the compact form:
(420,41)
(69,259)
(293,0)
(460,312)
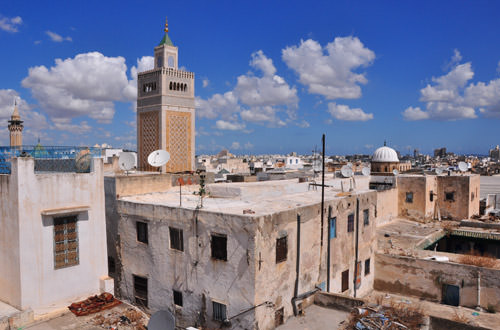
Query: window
(111,265)
(141,290)
(345,280)
(219,311)
(431,196)
(281,249)
(333,227)
(177,298)
(278,317)
(176,239)
(409,197)
(219,247)
(65,242)
(142,232)
(367,266)
(449,196)
(366,217)
(350,222)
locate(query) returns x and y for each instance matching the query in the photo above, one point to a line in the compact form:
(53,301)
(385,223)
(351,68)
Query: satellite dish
(439,170)
(365,171)
(317,166)
(161,320)
(158,158)
(82,161)
(395,172)
(349,165)
(346,171)
(126,161)
(462,167)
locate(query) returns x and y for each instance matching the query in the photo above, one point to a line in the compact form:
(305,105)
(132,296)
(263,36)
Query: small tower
(16,128)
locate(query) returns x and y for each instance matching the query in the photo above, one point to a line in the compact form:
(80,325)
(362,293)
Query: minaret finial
(166,25)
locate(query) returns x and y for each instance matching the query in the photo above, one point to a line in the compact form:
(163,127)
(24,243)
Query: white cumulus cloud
(331,70)
(344,112)
(224,105)
(452,96)
(235,146)
(86,85)
(231,126)
(10,24)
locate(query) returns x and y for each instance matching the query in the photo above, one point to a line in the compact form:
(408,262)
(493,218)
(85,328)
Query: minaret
(166,110)
(16,128)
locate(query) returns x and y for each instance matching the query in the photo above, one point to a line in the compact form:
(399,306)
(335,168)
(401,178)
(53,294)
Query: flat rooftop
(265,197)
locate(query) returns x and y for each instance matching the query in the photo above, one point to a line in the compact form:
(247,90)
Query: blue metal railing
(43,152)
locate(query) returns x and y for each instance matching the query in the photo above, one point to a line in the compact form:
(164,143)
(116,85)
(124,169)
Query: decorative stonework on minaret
(166,110)
(16,128)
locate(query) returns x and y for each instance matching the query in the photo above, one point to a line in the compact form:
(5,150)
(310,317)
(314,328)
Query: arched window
(185,87)
(178,87)
(170,86)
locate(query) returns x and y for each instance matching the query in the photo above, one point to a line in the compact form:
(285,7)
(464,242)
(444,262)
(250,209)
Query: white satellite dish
(317,166)
(462,166)
(346,171)
(349,165)
(395,172)
(158,158)
(439,170)
(126,161)
(365,171)
(162,320)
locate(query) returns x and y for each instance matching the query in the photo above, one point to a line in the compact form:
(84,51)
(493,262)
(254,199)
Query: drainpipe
(322,188)
(297,268)
(328,251)
(478,290)
(357,244)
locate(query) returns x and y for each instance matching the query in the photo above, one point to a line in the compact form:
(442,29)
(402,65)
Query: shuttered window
(141,290)
(176,239)
(219,311)
(65,242)
(345,280)
(350,222)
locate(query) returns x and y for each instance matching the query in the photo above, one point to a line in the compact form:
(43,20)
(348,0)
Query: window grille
(65,242)
(409,197)
(176,239)
(366,217)
(350,222)
(281,249)
(219,311)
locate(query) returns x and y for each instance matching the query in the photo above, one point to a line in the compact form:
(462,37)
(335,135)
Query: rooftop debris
(94,304)
(396,317)
(119,319)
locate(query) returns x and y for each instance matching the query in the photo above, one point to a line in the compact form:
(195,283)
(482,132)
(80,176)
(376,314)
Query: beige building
(52,236)
(16,128)
(166,111)
(251,255)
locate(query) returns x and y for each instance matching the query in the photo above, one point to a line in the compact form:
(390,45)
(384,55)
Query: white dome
(385,155)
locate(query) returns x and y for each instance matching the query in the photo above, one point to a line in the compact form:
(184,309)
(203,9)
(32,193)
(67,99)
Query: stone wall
(425,279)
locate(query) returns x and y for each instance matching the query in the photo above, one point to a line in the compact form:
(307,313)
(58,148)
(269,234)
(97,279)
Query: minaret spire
(166,25)
(16,127)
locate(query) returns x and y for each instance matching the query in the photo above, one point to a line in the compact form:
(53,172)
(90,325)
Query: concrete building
(52,236)
(16,128)
(166,111)
(251,255)
(495,154)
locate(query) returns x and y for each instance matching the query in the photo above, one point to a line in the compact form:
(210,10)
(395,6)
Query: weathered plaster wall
(193,271)
(41,284)
(462,207)
(425,279)
(275,282)
(10,286)
(417,185)
(127,185)
(387,205)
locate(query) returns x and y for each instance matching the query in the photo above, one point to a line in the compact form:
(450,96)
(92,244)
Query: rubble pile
(121,320)
(94,304)
(385,318)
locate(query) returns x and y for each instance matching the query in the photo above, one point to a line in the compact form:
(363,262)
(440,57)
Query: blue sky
(271,76)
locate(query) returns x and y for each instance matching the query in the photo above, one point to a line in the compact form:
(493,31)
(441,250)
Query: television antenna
(158,158)
(162,320)
(462,166)
(126,161)
(365,171)
(395,172)
(346,171)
